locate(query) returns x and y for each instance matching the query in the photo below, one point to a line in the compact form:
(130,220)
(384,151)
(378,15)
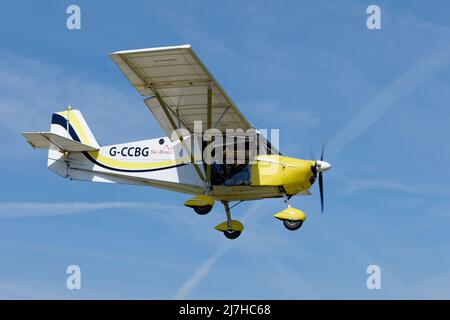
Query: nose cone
(322,166)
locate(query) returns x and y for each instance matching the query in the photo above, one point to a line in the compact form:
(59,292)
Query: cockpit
(239,152)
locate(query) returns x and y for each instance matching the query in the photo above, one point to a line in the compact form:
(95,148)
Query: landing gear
(202,210)
(202,204)
(231,229)
(292,218)
(292,224)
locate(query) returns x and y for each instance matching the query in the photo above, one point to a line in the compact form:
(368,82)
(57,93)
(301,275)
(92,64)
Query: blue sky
(380,99)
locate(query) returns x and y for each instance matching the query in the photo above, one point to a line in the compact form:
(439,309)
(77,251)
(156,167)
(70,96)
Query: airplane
(188,103)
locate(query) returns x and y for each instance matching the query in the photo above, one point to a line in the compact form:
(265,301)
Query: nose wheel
(292,218)
(292,224)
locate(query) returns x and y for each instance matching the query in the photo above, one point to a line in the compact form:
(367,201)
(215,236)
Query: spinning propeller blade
(321,191)
(320,167)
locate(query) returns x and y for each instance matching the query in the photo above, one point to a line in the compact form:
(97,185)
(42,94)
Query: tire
(203,210)
(292,225)
(232,234)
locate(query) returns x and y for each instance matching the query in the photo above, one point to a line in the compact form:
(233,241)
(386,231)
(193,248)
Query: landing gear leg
(227,211)
(286,199)
(292,218)
(230,233)
(231,229)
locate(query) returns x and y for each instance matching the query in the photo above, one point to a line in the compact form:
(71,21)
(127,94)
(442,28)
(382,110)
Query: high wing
(176,77)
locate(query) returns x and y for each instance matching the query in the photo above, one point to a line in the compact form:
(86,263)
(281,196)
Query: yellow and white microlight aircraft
(189,104)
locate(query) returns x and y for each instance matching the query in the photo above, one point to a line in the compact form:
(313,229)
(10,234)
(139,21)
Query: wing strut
(208,126)
(180,137)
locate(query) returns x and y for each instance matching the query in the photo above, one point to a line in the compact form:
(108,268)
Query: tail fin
(69,124)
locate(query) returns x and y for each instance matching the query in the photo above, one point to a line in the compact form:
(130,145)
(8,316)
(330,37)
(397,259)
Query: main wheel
(231,234)
(292,224)
(203,209)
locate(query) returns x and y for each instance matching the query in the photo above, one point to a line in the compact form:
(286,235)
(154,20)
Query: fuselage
(167,164)
(159,163)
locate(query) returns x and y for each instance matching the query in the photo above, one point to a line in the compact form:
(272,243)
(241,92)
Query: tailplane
(53,141)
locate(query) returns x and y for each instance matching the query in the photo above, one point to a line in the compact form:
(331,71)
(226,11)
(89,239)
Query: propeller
(321,166)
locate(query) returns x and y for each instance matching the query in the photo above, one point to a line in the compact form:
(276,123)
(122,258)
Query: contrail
(365,117)
(201,272)
(209,263)
(387,98)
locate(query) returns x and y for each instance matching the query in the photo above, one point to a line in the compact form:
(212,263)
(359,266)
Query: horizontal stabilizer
(53,141)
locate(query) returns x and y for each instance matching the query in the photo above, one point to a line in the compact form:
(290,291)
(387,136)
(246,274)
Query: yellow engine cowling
(295,175)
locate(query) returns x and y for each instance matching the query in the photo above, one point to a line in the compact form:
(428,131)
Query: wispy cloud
(10,290)
(389,97)
(434,286)
(358,184)
(31,90)
(46,209)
